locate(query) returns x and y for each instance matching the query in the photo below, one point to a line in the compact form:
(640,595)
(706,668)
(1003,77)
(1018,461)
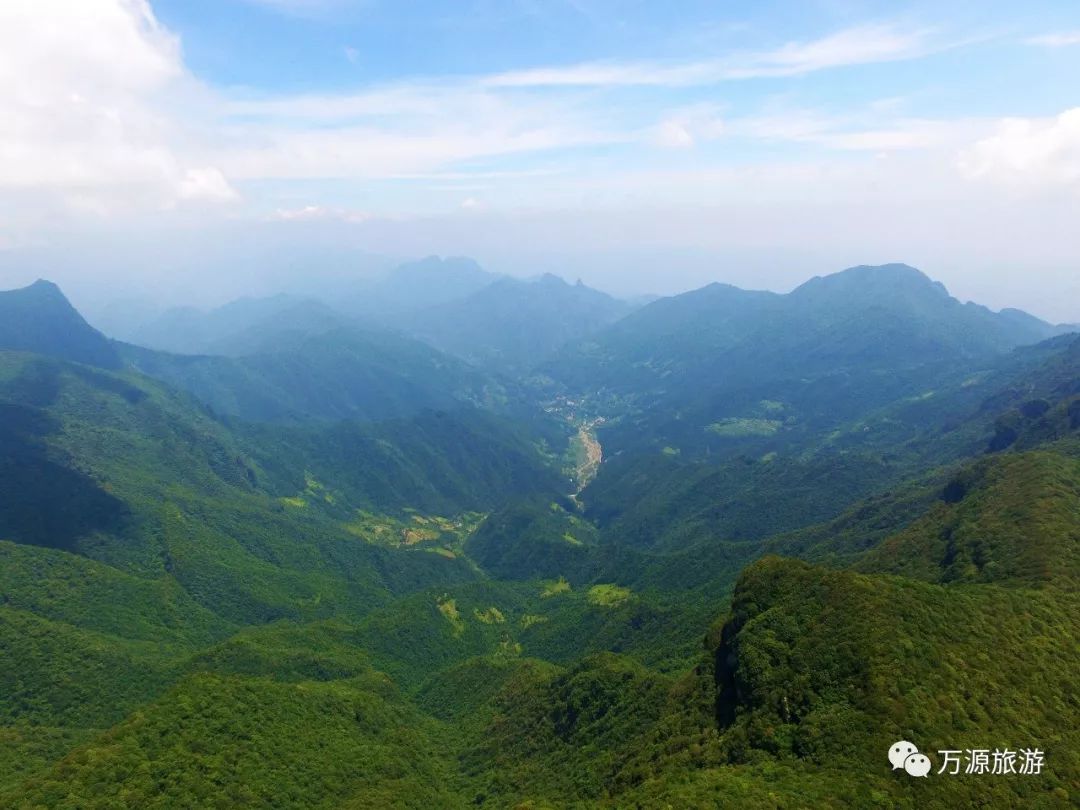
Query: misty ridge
(394,340)
(441,540)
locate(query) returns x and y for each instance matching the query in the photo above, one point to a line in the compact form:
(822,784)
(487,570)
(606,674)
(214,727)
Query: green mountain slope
(339,374)
(725,371)
(198,611)
(816,671)
(441,462)
(39,319)
(123,442)
(222,741)
(292,361)
(147,532)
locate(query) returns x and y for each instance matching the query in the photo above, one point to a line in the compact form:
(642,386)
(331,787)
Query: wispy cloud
(407,129)
(343,153)
(858,131)
(93,127)
(310,213)
(859,45)
(309,8)
(427,125)
(684,128)
(1060,39)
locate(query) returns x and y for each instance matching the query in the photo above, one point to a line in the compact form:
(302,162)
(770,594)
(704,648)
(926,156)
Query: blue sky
(642,146)
(318,46)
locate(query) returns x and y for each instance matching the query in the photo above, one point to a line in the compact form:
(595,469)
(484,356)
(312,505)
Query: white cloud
(415,128)
(1060,39)
(100,113)
(206,184)
(81,86)
(674,135)
(684,128)
(111,118)
(353,152)
(310,213)
(859,45)
(1028,152)
(857,131)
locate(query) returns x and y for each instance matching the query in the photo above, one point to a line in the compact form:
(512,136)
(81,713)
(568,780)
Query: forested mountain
(279,360)
(40,319)
(513,325)
(118,437)
(241,326)
(722,370)
(337,374)
(887,316)
(237,328)
(502,325)
(340,569)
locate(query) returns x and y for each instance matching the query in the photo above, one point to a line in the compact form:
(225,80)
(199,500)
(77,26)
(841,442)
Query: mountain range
(499,324)
(511,325)
(718,368)
(315,556)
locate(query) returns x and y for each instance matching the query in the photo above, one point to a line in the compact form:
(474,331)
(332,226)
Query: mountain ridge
(512,324)
(328,611)
(39,318)
(720,368)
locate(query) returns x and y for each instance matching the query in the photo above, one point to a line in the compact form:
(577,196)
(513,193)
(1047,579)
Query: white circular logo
(917,764)
(901,751)
(905,756)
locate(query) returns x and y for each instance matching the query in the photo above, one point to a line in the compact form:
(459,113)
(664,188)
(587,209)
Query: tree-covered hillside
(304,609)
(296,377)
(40,319)
(725,371)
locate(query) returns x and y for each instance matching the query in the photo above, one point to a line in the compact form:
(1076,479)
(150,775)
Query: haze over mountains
(493,321)
(40,319)
(357,553)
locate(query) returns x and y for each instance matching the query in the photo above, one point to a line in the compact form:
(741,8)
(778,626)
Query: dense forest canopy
(722,549)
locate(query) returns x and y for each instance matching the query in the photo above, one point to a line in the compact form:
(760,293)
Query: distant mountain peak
(890,268)
(44,290)
(894,271)
(45,285)
(881,279)
(554,280)
(40,319)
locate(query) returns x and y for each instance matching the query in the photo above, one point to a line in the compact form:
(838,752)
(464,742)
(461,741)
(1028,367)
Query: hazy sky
(203,148)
